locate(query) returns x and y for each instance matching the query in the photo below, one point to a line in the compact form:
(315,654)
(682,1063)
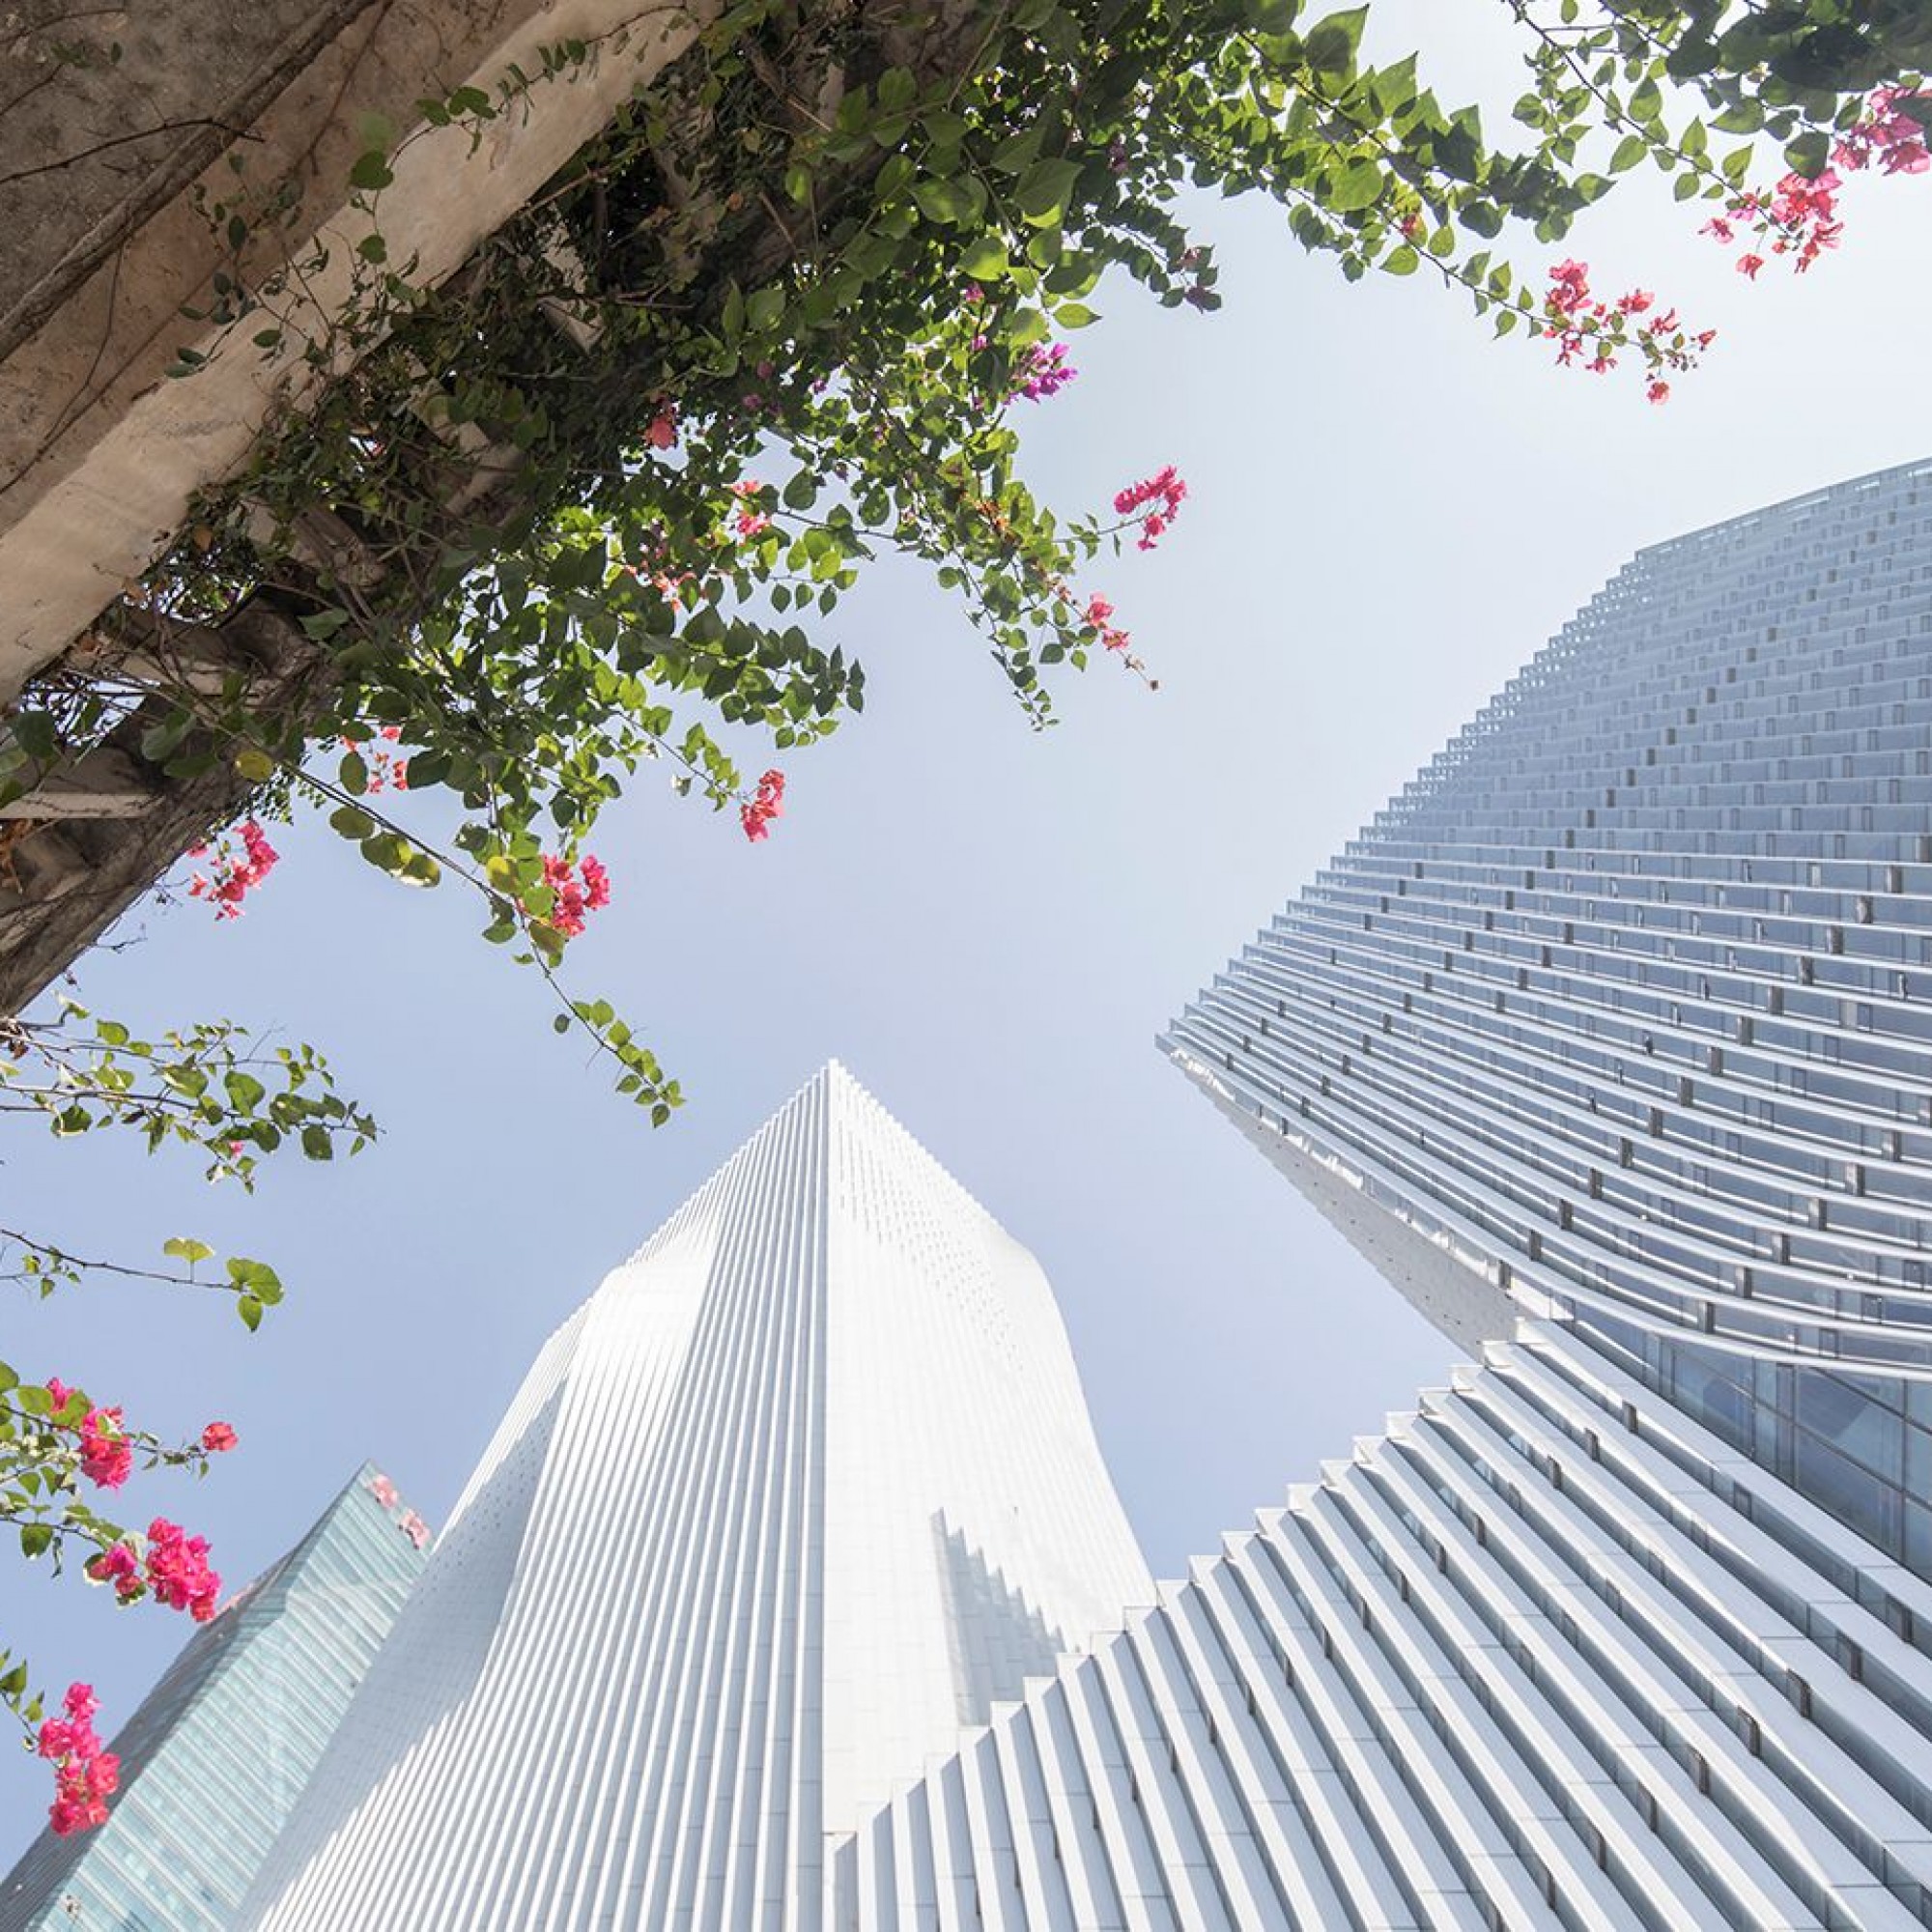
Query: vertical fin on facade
(809,1468)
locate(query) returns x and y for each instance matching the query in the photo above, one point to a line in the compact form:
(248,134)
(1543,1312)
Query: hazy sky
(1388,512)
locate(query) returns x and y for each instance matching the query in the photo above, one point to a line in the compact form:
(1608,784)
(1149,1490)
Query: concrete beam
(101,451)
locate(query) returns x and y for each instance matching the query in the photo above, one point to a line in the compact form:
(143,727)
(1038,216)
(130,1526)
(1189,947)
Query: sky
(1388,512)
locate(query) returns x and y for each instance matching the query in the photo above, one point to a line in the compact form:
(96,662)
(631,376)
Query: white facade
(803,1488)
(1547,1653)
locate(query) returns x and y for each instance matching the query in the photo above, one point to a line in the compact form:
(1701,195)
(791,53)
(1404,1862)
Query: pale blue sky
(1387,514)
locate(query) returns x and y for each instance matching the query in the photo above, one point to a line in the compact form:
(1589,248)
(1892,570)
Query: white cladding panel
(805,1486)
(1546,1655)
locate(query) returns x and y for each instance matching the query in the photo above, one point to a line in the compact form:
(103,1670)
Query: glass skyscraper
(214,1759)
(1621,1013)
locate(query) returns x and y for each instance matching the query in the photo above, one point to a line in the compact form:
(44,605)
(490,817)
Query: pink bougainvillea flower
(1164,491)
(119,1566)
(219,1437)
(383,1490)
(1042,371)
(235,875)
(106,1455)
(573,897)
(767,804)
(177,1571)
(85,1775)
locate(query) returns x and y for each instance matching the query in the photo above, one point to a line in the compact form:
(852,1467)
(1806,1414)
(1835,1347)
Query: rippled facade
(214,1760)
(1544,1655)
(805,1486)
(1621,1013)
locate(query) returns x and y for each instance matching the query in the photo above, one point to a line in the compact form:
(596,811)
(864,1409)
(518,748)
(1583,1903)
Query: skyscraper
(1546,1654)
(1610,1037)
(214,1757)
(1621,1013)
(804,1488)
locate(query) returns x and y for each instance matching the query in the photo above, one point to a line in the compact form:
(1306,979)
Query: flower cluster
(176,1571)
(414,1527)
(85,1775)
(1799,217)
(1165,490)
(1099,615)
(106,1456)
(572,897)
(388,771)
(750,520)
(234,874)
(217,1438)
(1581,325)
(1886,135)
(383,1490)
(1043,371)
(756,813)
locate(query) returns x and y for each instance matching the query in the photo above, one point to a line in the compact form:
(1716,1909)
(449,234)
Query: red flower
(118,1565)
(85,1777)
(105,1457)
(219,1437)
(756,813)
(1165,487)
(177,1571)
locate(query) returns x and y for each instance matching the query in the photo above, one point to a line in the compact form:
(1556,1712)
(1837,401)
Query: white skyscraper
(797,1495)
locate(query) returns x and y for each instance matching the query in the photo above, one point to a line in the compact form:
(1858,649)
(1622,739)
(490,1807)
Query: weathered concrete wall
(100,450)
(106,113)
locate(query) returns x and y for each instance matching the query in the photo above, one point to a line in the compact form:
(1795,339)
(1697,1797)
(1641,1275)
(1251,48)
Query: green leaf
(316,1142)
(255,765)
(1809,151)
(258,1278)
(352,821)
(1358,185)
(371,171)
(984,259)
(249,1308)
(244,1092)
(35,1537)
(353,774)
(1074,315)
(1330,45)
(1043,190)
(35,735)
(1403,261)
(186,1248)
(952,200)
(1631,150)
